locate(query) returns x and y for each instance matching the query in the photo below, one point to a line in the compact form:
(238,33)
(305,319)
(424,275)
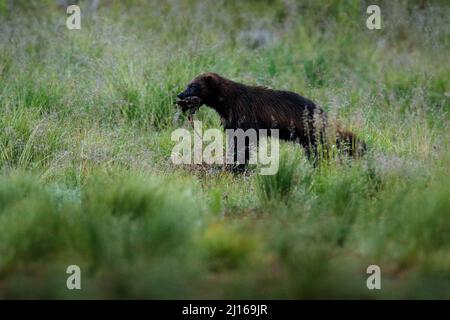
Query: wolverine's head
(201,90)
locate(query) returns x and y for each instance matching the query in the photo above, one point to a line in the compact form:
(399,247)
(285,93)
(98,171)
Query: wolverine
(246,107)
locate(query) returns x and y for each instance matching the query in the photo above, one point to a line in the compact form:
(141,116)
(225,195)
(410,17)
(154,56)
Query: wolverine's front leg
(240,145)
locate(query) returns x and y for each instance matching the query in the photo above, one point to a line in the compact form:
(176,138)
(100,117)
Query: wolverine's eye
(193,88)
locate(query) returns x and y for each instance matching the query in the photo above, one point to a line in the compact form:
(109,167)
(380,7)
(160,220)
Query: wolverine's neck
(228,95)
(221,108)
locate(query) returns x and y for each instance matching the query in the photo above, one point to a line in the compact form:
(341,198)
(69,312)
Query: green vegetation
(86,178)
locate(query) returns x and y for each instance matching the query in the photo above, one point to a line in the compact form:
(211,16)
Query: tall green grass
(281,185)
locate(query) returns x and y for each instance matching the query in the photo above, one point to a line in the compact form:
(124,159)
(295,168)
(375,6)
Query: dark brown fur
(297,118)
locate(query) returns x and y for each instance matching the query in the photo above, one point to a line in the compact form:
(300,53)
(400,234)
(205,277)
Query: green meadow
(86,179)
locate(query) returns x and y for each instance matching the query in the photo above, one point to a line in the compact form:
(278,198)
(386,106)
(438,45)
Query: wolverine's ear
(209,79)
